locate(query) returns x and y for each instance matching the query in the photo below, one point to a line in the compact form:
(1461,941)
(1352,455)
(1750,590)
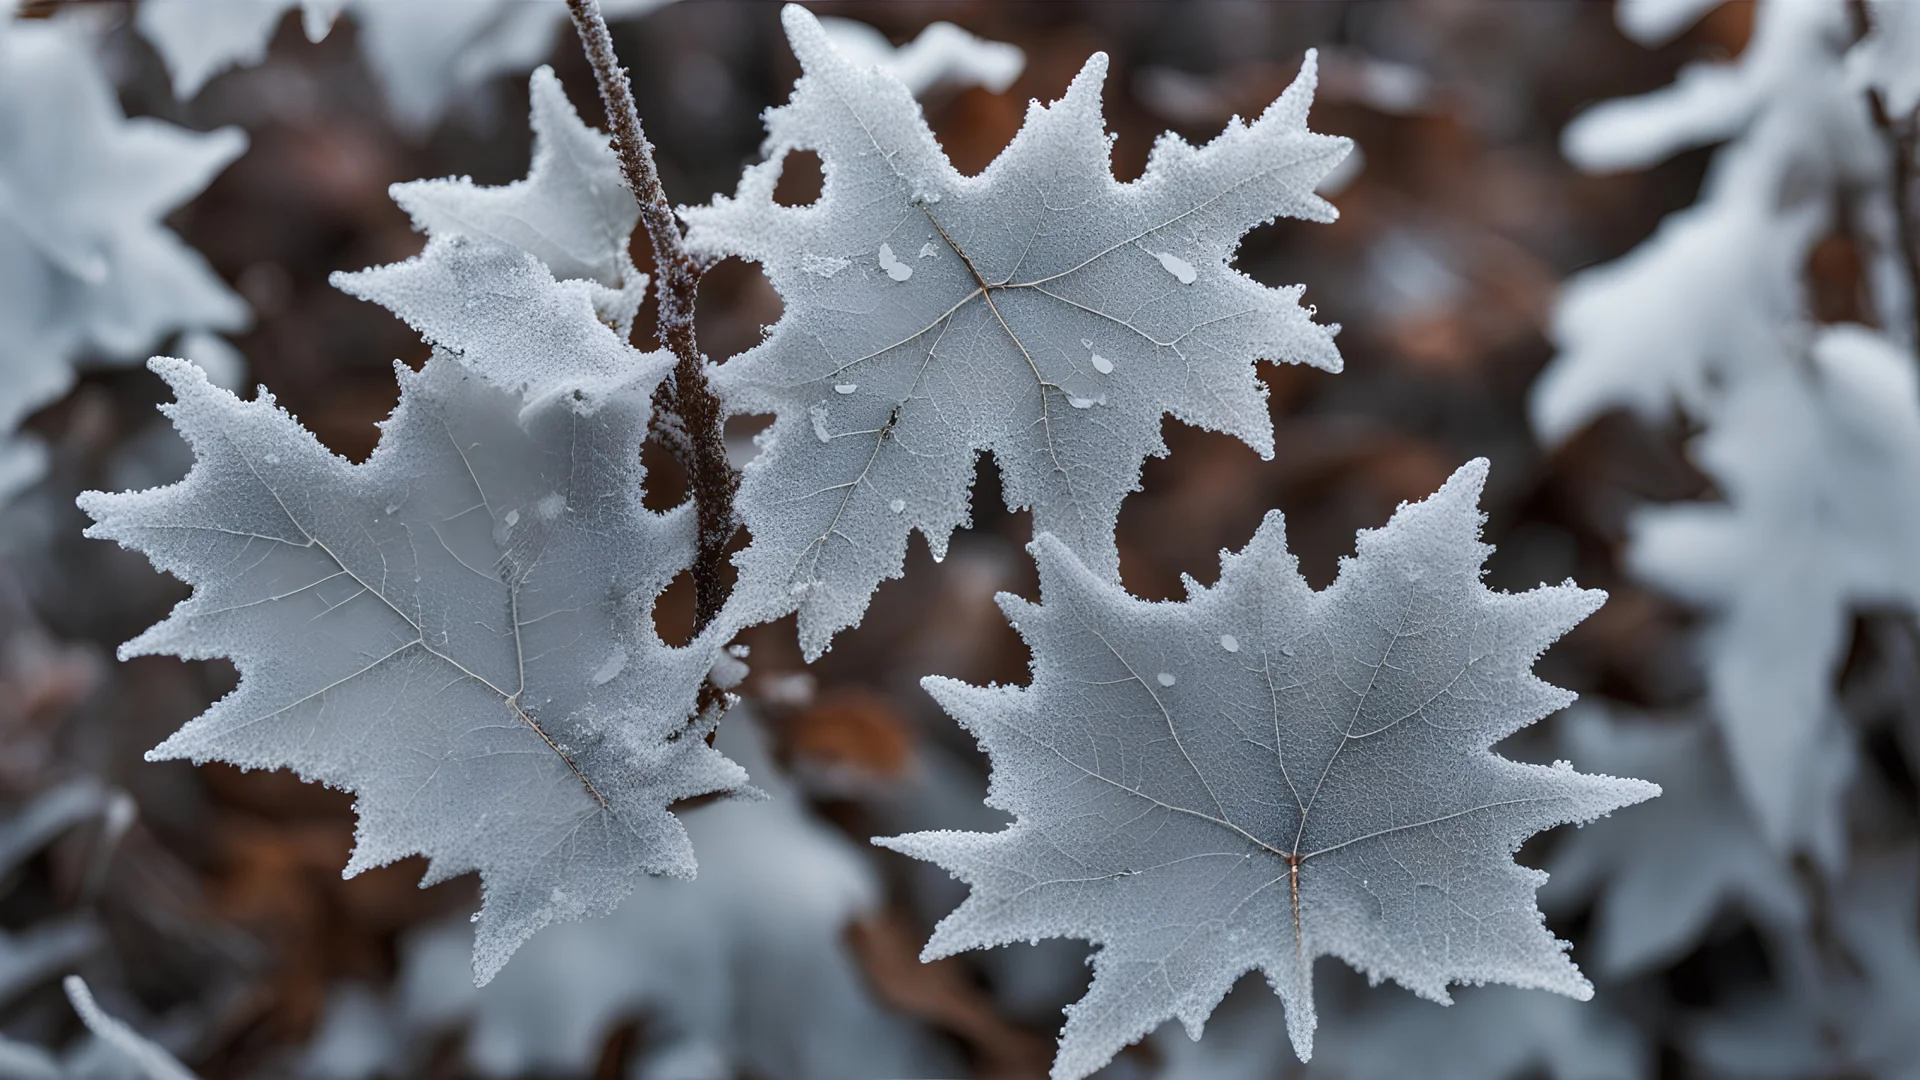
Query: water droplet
(928,251)
(1229,643)
(1286,650)
(845,387)
(1086,402)
(1086,343)
(819,414)
(898,506)
(1102,365)
(1181,269)
(513,518)
(393,507)
(895,269)
(1165,679)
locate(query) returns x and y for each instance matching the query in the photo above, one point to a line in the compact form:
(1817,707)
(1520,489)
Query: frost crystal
(974,348)
(1325,790)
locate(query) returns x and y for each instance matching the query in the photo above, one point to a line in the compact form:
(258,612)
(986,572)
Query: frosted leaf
(1273,807)
(501,314)
(427,54)
(573,211)
(426,658)
(1656,22)
(424,53)
(979,350)
(1661,874)
(1888,58)
(943,55)
(747,963)
(1717,293)
(1818,468)
(570,219)
(1490,1033)
(198,39)
(87,264)
(1791,56)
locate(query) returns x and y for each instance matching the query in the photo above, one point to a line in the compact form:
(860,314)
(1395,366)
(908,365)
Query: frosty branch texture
(1261,775)
(1041,310)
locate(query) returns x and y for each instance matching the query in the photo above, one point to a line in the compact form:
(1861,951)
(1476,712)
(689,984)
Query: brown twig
(676,284)
(1903,142)
(1902,137)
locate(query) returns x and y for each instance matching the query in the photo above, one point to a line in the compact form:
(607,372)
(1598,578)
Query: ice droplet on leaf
(845,387)
(1229,643)
(1102,365)
(896,269)
(1177,266)
(1165,679)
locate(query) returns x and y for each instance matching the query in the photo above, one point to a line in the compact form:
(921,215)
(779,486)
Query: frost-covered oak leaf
(1262,774)
(573,211)
(457,631)
(1041,310)
(87,268)
(1817,465)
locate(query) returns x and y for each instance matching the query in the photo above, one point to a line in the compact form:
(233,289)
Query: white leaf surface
(502,314)
(1818,468)
(1659,875)
(425,54)
(198,39)
(931,315)
(745,967)
(1490,1033)
(1656,22)
(942,55)
(1325,788)
(572,212)
(1888,58)
(1717,293)
(1791,55)
(457,631)
(87,266)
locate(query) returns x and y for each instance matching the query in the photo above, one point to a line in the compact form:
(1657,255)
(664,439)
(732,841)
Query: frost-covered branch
(687,393)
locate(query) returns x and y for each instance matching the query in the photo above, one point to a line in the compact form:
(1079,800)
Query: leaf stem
(676,285)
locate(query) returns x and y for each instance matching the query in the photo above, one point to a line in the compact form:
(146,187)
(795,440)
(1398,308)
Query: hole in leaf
(736,306)
(739,433)
(666,485)
(673,611)
(801,179)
